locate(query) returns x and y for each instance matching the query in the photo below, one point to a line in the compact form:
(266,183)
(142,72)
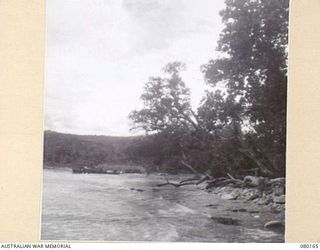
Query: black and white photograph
(165,121)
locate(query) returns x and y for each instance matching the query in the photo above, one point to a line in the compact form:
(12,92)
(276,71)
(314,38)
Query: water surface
(130,207)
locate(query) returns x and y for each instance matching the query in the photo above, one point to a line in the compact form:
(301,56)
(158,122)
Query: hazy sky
(99,54)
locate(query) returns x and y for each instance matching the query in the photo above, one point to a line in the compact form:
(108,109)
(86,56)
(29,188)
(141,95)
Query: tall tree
(167,112)
(253,69)
(166,103)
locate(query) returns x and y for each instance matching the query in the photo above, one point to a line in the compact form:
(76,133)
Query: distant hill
(153,153)
(66,149)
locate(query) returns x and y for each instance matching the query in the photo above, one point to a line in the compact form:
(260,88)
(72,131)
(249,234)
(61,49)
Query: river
(130,207)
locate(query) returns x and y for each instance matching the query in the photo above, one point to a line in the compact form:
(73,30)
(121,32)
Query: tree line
(64,150)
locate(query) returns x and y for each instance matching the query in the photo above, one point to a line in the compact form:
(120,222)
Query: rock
(137,189)
(239,210)
(226,221)
(264,200)
(230,196)
(280,199)
(274,225)
(280,181)
(278,190)
(212,205)
(252,181)
(243,210)
(253,197)
(268,191)
(278,185)
(274,210)
(245,191)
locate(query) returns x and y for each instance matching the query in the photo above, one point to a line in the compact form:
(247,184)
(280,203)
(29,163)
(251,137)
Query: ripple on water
(104,207)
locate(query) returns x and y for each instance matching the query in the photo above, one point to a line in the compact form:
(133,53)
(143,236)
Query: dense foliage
(66,149)
(241,122)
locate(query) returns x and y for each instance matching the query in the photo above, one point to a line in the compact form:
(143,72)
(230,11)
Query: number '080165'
(308,245)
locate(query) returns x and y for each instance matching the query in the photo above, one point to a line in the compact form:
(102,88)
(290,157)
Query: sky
(100,53)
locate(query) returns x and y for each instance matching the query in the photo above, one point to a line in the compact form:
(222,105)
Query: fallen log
(176,184)
(207,177)
(179,184)
(222,181)
(195,178)
(213,182)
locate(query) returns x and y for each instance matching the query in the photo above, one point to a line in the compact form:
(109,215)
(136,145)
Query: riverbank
(259,190)
(271,202)
(253,195)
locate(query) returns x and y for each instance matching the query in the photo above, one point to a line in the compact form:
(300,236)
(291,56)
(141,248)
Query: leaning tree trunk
(264,163)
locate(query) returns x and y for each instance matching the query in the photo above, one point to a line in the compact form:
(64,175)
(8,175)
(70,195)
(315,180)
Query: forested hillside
(63,149)
(152,152)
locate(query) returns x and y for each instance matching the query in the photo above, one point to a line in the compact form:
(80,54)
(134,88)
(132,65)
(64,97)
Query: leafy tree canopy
(253,65)
(166,103)
(247,99)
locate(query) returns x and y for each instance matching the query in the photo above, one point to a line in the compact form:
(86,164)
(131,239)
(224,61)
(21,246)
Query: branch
(195,178)
(230,176)
(186,118)
(195,117)
(182,183)
(207,177)
(176,184)
(190,168)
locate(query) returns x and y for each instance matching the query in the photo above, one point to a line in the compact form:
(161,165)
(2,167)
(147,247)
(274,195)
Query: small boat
(87,170)
(77,170)
(112,172)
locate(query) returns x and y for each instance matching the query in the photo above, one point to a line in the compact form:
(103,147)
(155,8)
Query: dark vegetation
(149,152)
(240,124)
(238,129)
(68,150)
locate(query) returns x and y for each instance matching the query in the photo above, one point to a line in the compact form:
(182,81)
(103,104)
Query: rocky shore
(258,198)
(265,193)
(259,190)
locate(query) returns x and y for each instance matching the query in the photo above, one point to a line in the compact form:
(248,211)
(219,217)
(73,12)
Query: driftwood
(204,178)
(175,184)
(181,183)
(219,182)
(264,185)
(190,181)
(249,181)
(195,178)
